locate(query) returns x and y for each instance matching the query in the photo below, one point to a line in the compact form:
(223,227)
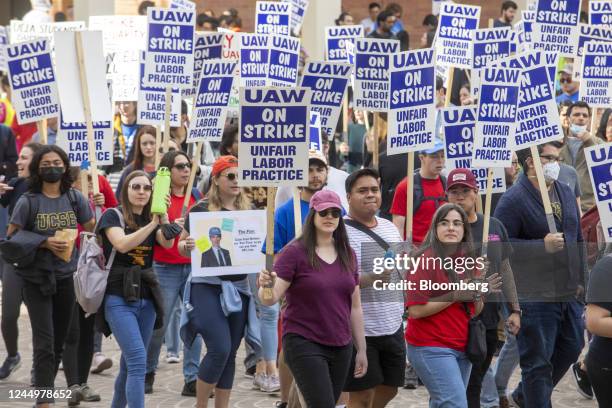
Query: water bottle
(161,189)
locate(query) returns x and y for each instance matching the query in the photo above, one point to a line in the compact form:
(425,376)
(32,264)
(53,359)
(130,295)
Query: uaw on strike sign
(599,160)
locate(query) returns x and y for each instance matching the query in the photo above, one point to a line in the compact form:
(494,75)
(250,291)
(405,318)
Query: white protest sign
(182,4)
(227,242)
(211,103)
(435,6)
(589,33)
(555,28)
(254,57)
(207,46)
(151,106)
(274,130)
(3,44)
(491,44)
(123,71)
(121,32)
(298,10)
(231,52)
(69,85)
(412,82)
(284,60)
(528,17)
(315,132)
(328,82)
(458,125)
(273,17)
(454,38)
(600,12)
(72,137)
(497,109)
(20,31)
(596,83)
(170,45)
(372,73)
(32,80)
(599,161)
(335,38)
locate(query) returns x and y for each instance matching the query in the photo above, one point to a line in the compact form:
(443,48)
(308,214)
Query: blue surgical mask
(576,129)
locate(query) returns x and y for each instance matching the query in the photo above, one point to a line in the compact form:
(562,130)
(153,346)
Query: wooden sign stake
(550,218)
(194,170)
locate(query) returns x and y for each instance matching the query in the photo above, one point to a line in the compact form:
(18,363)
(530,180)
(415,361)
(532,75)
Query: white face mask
(551,171)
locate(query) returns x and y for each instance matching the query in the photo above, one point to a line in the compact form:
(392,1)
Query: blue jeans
(268,318)
(550,341)
(172,279)
(445,372)
(132,325)
(171,338)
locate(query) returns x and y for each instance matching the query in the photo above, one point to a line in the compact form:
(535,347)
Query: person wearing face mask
(549,270)
(50,205)
(572,153)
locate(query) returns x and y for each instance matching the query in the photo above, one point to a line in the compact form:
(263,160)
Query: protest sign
(497,109)
(274,130)
(454,38)
(231,52)
(182,4)
(123,71)
(328,82)
(298,10)
(596,83)
(372,73)
(207,46)
(589,33)
(284,60)
(272,17)
(151,106)
(120,32)
(412,110)
(211,103)
(227,242)
(3,44)
(458,125)
(315,132)
(435,6)
(599,161)
(32,80)
(20,31)
(600,12)
(335,38)
(68,71)
(254,55)
(72,137)
(555,28)
(491,44)
(528,17)
(170,45)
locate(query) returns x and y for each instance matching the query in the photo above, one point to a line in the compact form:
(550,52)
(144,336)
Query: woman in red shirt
(437,331)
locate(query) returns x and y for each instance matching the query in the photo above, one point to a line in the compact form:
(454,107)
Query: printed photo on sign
(273,17)
(599,161)
(227,242)
(555,28)
(32,80)
(454,38)
(412,83)
(372,57)
(274,126)
(72,137)
(596,83)
(335,38)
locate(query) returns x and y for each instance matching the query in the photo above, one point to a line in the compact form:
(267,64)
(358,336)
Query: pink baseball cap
(324,199)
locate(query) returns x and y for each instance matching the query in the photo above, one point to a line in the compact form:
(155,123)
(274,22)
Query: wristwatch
(517,311)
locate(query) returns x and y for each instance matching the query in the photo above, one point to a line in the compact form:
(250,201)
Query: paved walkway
(169,382)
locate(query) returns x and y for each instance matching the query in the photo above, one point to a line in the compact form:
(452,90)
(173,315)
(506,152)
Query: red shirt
(447,328)
(110,201)
(172,255)
(422,219)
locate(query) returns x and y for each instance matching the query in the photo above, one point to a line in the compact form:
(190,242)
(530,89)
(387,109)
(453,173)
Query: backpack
(418,192)
(92,271)
(588,225)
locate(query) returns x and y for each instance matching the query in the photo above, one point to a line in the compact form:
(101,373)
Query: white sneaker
(100,363)
(271,384)
(259,381)
(172,358)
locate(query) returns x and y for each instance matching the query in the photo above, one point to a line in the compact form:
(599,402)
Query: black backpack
(419,196)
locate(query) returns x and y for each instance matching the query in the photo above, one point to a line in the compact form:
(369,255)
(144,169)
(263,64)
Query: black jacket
(9,199)
(8,153)
(209,259)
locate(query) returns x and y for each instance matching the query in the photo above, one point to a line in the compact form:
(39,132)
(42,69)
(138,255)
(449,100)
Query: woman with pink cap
(317,274)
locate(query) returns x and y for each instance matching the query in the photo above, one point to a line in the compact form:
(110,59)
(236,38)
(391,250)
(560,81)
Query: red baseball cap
(461,177)
(324,199)
(222,163)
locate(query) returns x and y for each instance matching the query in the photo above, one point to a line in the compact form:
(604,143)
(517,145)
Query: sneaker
(271,384)
(172,358)
(583,384)
(149,380)
(411,380)
(100,363)
(280,404)
(10,365)
(250,372)
(88,394)
(189,389)
(75,395)
(503,402)
(259,381)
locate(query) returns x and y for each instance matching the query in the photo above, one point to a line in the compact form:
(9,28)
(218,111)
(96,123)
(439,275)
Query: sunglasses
(230,176)
(565,81)
(141,187)
(335,212)
(182,166)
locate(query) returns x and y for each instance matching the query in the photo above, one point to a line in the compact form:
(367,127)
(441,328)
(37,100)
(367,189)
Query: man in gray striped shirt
(370,237)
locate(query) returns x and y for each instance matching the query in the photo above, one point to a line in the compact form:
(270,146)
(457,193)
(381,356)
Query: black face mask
(51,174)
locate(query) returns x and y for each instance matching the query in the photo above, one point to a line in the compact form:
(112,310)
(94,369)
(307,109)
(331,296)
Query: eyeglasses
(182,166)
(141,187)
(550,157)
(565,80)
(335,213)
(447,223)
(230,176)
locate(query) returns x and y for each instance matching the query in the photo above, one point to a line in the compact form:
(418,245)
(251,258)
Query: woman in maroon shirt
(317,273)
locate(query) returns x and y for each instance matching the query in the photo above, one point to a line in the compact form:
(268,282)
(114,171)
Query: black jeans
(12,286)
(600,374)
(319,371)
(478,372)
(79,347)
(50,318)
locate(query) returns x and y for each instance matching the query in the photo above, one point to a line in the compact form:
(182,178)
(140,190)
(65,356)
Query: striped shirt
(382,309)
